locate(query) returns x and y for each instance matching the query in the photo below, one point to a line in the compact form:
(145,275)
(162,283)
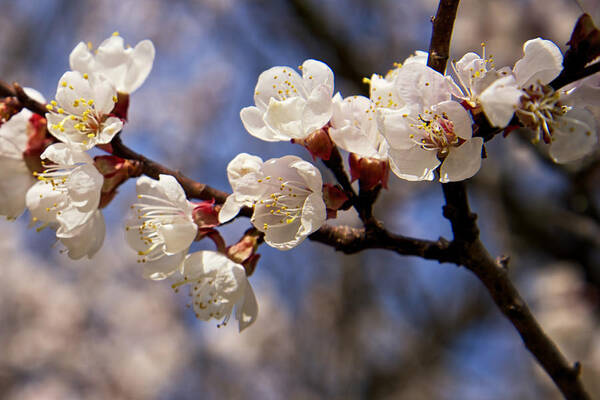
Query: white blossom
(80,114)
(67,198)
(286,194)
(290,106)
(162,228)
(382,88)
(15,177)
(483,85)
(217,285)
(430,130)
(558,117)
(354,127)
(125,67)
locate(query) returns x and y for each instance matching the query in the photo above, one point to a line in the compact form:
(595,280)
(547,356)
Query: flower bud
(206,216)
(318,144)
(115,170)
(37,141)
(368,171)
(334,198)
(244,251)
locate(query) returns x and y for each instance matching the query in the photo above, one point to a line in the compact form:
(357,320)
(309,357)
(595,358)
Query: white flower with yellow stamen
(559,117)
(286,194)
(481,85)
(430,130)
(66,197)
(162,228)
(126,67)
(80,115)
(382,90)
(217,285)
(290,106)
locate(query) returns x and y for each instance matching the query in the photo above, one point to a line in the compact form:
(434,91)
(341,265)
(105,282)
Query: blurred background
(374,325)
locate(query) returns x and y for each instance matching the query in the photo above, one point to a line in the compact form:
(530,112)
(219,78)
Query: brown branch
(475,257)
(353,240)
(443,23)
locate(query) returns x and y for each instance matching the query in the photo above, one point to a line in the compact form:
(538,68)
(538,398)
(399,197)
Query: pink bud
(206,214)
(334,198)
(369,171)
(37,141)
(244,251)
(318,143)
(115,170)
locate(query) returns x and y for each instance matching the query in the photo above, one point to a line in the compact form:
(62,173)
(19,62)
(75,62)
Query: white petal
(173,191)
(15,181)
(395,127)
(84,185)
(252,118)
(309,173)
(111,127)
(40,200)
(278,83)
(313,214)
(420,85)
(141,60)
(414,164)
(354,126)
(104,93)
(542,61)
(72,86)
(163,267)
(81,59)
(574,136)
(499,101)
(284,237)
(462,162)
(285,117)
(316,74)
(62,153)
(88,238)
(317,110)
(13,135)
(178,235)
(230,209)
(458,115)
(247,312)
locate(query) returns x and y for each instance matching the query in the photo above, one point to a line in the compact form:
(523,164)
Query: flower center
(151,217)
(207,301)
(436,133)
(540,107)
(282,202)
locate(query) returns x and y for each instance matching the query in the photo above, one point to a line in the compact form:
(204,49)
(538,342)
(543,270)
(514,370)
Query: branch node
(503,261)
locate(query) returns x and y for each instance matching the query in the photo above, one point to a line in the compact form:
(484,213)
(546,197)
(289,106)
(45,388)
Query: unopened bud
(369,171)
(115,171)
(318,143)
(244,251)
(206,214)
(334,198)
(37,141)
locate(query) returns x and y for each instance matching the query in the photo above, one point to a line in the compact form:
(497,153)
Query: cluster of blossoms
(414,121)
